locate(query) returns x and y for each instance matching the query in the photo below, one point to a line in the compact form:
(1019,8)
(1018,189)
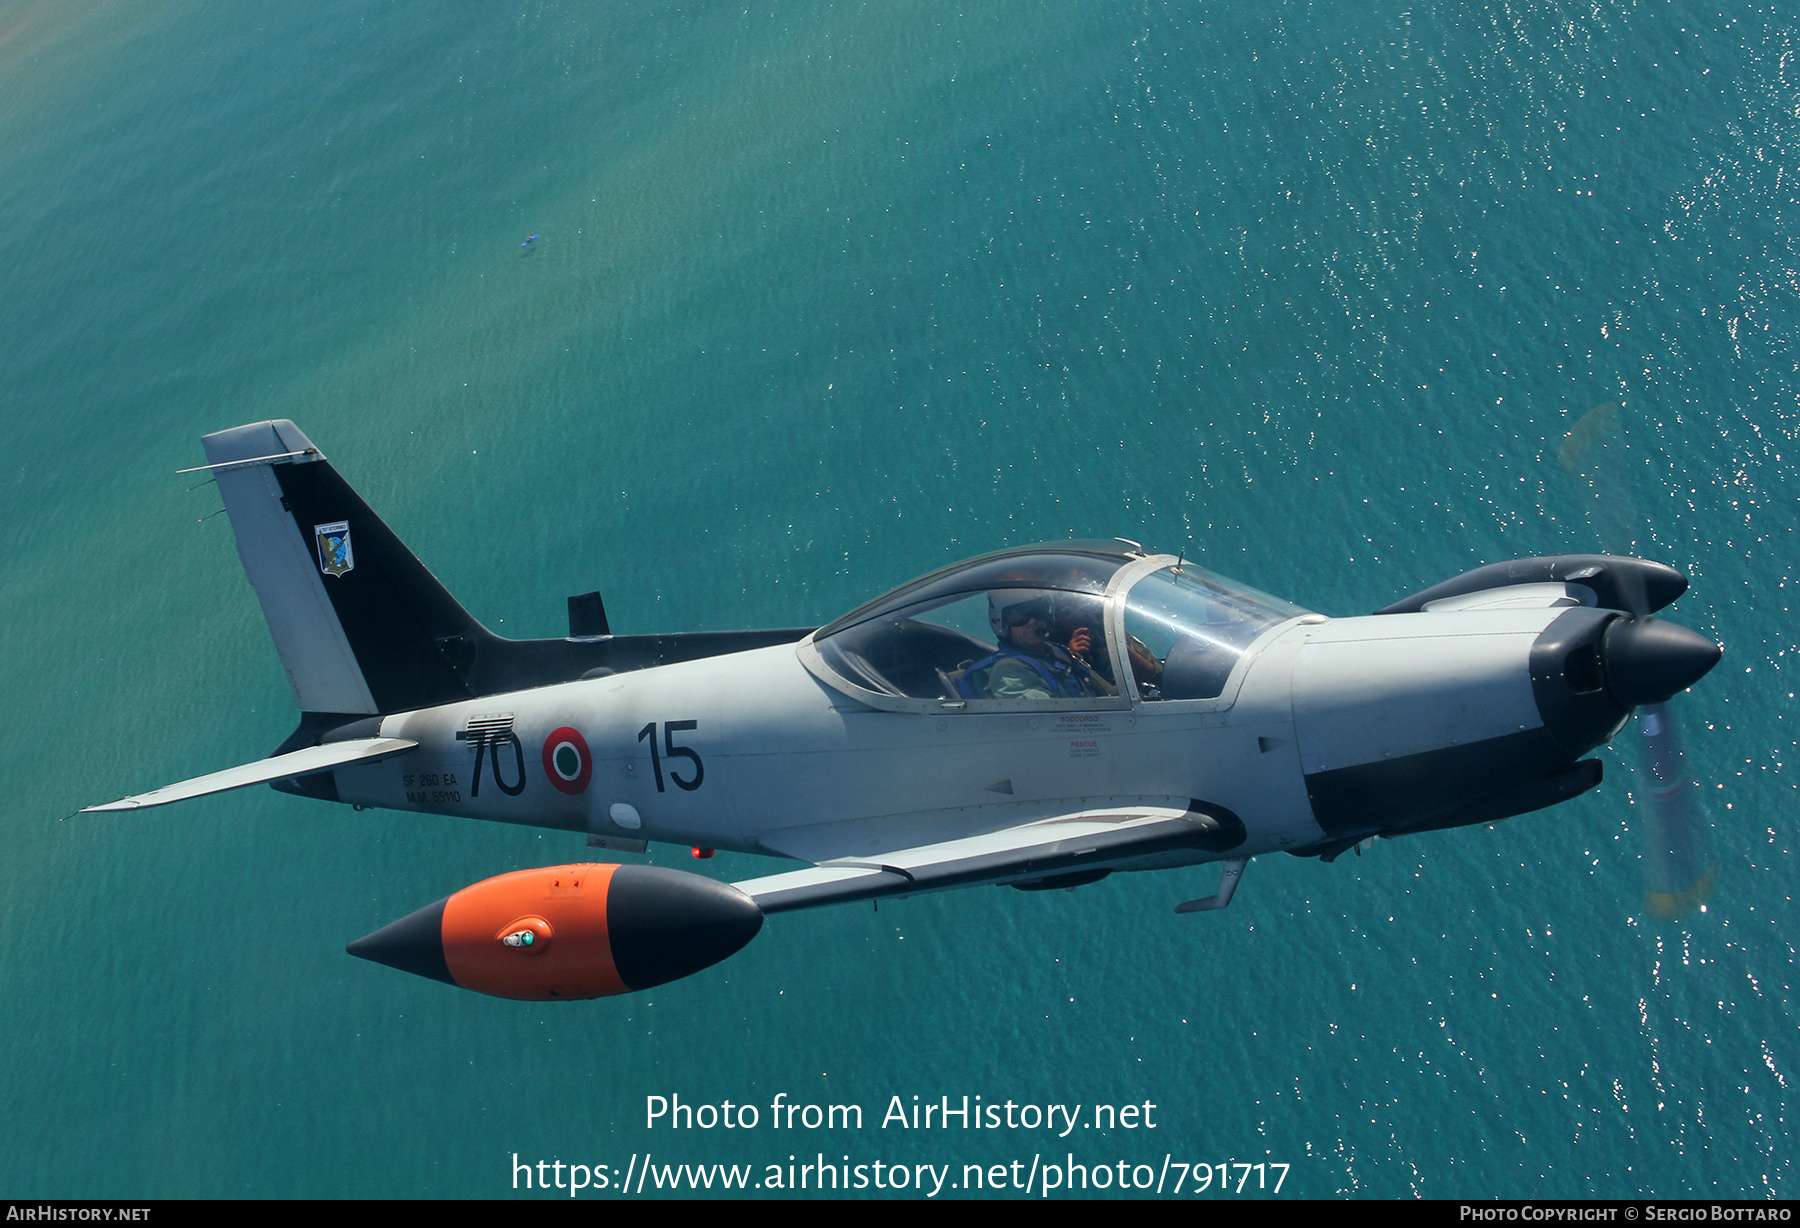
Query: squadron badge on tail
(334,548)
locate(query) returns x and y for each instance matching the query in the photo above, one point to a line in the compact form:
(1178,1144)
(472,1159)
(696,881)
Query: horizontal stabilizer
(294,763)
(1071,843)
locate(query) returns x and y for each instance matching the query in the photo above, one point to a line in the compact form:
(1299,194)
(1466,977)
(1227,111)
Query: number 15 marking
(674,752)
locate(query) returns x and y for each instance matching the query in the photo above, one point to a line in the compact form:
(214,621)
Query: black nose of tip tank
(1648,661)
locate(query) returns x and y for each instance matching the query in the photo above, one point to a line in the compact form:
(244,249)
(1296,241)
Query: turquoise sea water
(827,295)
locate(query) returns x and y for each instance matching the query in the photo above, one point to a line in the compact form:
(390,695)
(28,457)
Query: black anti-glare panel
(1414,789)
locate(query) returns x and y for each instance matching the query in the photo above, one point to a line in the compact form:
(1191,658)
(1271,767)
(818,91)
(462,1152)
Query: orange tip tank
(566,932)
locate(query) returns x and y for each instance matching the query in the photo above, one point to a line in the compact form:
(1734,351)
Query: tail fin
(362,627)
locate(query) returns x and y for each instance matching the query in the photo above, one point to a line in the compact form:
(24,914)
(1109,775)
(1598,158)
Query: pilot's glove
(1081,643)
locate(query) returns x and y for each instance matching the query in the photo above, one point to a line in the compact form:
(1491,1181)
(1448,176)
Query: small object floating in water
(528,242)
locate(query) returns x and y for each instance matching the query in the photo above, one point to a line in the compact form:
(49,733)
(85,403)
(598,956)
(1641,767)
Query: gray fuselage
(753,753)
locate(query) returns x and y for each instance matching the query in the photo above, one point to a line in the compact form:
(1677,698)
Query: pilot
(1027,665)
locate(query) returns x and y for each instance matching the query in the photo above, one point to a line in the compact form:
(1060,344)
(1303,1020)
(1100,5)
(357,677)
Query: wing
(295,763)
(1074,844)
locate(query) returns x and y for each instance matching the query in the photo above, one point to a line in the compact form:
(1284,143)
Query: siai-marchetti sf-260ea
(1038,718)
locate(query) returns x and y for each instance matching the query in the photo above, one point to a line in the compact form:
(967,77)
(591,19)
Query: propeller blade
(1655,660)
(1679,871)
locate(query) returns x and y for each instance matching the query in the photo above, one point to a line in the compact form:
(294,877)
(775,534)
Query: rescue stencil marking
(567,762)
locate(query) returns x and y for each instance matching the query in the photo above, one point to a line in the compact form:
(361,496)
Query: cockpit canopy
(1074,625)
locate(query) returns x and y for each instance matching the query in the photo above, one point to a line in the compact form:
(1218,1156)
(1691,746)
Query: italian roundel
(566,760)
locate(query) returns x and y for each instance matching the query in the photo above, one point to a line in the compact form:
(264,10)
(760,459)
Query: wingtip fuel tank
(569,932)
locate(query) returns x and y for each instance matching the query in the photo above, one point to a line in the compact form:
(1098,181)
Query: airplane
(1039,718)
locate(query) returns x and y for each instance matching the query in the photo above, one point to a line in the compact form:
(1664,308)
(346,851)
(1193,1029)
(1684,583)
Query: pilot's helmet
(1014,607)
